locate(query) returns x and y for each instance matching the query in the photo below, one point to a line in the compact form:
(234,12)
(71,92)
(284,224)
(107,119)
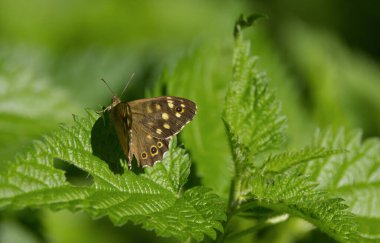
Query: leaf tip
(244,22)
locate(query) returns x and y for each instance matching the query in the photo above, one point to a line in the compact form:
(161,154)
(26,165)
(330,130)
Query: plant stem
(260,225)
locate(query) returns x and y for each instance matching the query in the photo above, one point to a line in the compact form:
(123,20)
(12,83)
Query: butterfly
(145,127)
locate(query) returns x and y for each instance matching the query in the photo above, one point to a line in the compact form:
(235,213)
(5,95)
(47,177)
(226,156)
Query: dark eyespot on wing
(147,149)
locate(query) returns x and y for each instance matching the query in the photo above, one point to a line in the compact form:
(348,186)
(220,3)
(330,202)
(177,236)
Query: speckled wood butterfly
(144,127)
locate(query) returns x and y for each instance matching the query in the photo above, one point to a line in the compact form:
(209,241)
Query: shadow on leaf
(105,145)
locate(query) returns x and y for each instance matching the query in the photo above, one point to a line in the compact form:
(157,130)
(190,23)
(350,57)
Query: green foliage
(24,110)
(332,183)
(300,124)
(251,111)
(169,173)
(255,125)
(284,161)
(353,176)
(33,181)
(244,22)
(202,75)
(297,196)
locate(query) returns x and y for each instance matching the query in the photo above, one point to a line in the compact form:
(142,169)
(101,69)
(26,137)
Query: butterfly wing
(162,117)
(146,148)
(121,119)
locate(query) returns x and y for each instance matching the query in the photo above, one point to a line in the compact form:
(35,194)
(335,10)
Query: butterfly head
(115,101)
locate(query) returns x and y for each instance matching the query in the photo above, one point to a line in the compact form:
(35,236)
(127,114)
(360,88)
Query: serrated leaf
(300,127)
(251,110)
(297,196)
(284,161)
(353,175)
(172,172)
(255,125)
(245,21)
(32,181)
(191,215)
(201,75)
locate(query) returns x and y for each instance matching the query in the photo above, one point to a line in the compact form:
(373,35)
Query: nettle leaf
(251,111)
(196,213)
(255,125)
(33,181)
(287,88)
(202,76)
(24,91)
(353,176)
(297,196)
(287,160)
(172,172)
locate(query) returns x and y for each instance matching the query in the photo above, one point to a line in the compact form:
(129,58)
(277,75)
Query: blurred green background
(322,58)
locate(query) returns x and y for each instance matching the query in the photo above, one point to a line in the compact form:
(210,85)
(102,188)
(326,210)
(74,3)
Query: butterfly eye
(178,108)
(159,144)
(143,155)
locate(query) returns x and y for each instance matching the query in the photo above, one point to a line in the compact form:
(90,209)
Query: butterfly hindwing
(165,116)
(146,148)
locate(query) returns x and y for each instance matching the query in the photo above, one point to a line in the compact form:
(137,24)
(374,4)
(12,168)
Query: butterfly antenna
(108,86)
(126,86)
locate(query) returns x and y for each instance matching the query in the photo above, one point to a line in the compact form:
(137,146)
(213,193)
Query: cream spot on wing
(148,136)
(159,131)
(166,126)
(148,109)
(165,116)
(170,104)
(183,105)
(158,107)
(178,114)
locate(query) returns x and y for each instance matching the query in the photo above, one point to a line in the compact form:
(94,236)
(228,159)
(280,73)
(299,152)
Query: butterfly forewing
(163,117)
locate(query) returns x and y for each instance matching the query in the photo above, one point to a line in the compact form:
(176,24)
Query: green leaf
(284,161)
(300,124)
(255,125)
(244,22)
(172,172)
(251,111)
(32,181)
(353,176)
(297,196)
(29,104)
(201,75)
(196,213)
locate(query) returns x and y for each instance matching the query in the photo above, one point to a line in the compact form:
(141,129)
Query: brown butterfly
(144,127)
